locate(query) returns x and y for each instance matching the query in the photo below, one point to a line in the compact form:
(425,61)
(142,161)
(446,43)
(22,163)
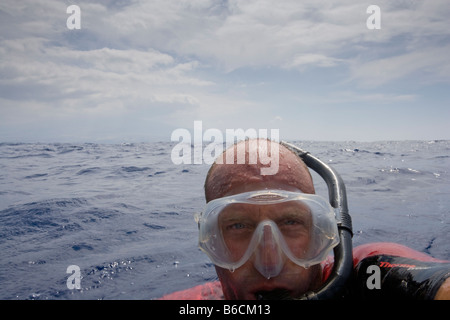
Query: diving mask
(268,227)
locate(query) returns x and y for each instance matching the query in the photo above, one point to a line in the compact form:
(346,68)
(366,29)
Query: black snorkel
(335,285)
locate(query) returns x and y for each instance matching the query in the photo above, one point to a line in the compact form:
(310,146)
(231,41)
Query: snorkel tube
(334,287)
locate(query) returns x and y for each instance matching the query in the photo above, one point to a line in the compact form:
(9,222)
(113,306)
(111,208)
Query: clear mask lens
(268,227)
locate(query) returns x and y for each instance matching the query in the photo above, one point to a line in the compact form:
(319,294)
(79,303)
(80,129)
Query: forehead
(229,179)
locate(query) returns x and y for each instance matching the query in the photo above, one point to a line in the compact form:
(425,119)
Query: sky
(137,70)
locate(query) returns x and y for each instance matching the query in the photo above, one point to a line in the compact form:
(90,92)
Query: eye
(236,226)
(293,227)
(238,229)
(292,222)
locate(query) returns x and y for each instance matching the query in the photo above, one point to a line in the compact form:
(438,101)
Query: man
(265,234)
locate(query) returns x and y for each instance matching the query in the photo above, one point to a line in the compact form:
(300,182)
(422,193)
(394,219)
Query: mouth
(276,294)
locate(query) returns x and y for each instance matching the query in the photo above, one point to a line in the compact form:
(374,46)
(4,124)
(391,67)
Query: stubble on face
(226,179)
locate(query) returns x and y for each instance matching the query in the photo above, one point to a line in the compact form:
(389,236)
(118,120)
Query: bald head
(227,177)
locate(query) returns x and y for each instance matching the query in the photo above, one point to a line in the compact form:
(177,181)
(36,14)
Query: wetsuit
(381,271)
(386,271)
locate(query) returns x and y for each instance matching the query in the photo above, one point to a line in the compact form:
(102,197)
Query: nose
(269,256)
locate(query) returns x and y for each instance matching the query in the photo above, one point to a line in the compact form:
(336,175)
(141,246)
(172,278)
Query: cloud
(236,61)
(318,60)
(231,34)
(58,75)
(237,34)
(424,65)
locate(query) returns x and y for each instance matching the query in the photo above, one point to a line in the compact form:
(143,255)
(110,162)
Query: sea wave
(125,213)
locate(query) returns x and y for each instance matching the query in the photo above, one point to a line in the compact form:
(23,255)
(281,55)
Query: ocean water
(124,213)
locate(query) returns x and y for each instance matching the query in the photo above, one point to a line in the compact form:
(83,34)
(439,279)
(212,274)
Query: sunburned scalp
(225,179)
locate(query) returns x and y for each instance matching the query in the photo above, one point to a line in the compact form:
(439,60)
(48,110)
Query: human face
(247,282)
(266,232)
(259,236)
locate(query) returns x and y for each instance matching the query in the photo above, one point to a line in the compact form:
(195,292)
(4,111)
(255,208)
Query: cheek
(237,249)
(304,280)
(235,284)
(298,279)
